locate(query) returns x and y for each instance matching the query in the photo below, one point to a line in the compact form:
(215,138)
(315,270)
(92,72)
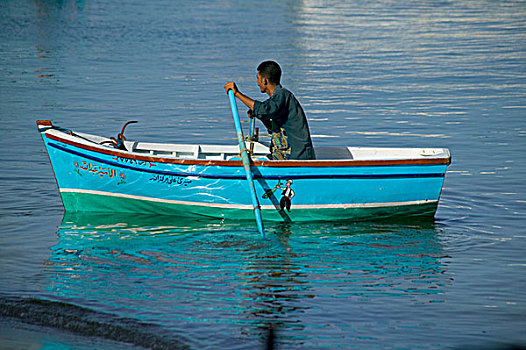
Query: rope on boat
(244,150)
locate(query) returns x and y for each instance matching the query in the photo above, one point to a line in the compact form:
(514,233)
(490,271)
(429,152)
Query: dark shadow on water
(88,323)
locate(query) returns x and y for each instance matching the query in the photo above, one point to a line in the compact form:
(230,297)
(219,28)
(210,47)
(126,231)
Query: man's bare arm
(247,101)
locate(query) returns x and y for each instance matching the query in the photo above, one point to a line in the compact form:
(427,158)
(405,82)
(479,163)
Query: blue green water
(386,73)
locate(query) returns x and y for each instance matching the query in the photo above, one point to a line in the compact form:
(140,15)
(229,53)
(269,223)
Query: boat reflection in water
(224,278)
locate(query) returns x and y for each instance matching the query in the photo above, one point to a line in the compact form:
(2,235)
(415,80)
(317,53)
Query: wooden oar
(246,162)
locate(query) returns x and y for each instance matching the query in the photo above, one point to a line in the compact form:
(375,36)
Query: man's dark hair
(270,70)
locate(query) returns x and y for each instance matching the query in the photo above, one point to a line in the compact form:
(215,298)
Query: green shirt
(283,109)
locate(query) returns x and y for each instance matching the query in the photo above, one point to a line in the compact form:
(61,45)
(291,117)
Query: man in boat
(281,113)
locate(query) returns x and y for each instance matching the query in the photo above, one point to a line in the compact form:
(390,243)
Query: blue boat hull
(94,178)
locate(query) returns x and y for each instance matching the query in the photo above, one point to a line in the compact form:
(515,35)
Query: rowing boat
(97,174)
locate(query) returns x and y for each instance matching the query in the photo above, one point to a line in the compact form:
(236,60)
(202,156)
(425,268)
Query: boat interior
(259,151)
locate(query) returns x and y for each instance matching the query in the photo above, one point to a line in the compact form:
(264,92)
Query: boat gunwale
(238,163)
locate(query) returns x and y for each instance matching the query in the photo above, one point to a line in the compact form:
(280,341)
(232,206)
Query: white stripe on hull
(249,207)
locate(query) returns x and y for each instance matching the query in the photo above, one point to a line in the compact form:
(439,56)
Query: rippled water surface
(385,73)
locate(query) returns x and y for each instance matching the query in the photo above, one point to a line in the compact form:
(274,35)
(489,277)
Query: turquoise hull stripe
(90,202)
